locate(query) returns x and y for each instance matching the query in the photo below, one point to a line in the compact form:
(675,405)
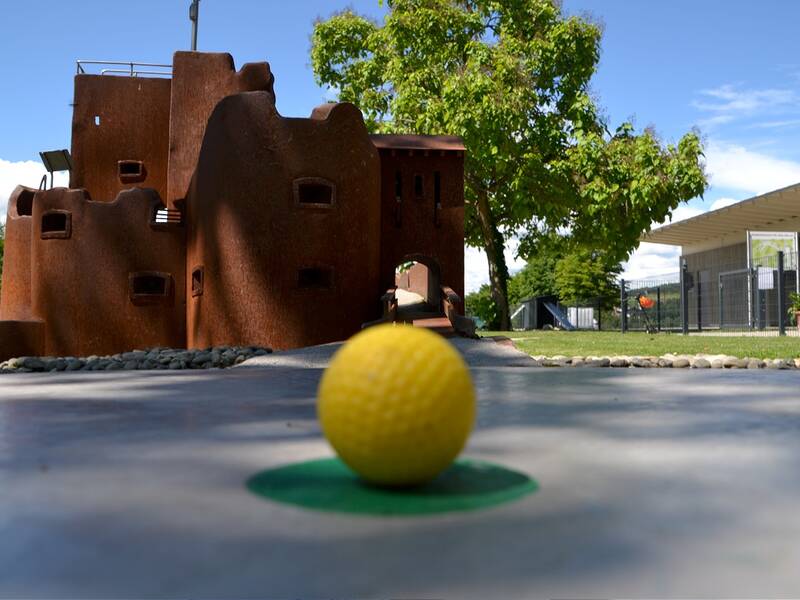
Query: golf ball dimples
(397,404)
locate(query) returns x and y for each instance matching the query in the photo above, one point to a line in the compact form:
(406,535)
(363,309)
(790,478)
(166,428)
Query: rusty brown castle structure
(199,216)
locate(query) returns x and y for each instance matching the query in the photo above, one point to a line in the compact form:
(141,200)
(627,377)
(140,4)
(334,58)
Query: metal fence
(737,299)
(720,299)
(652,305)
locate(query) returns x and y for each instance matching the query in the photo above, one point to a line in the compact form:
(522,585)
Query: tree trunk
(494,245)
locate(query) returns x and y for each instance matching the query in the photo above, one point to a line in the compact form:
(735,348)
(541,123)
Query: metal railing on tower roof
(132,68)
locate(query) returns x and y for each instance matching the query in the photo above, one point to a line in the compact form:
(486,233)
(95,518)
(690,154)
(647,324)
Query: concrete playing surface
(653,483)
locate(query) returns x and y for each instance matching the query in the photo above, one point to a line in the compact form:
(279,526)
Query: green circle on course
(328,484)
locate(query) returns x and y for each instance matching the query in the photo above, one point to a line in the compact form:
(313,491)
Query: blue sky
(729,67)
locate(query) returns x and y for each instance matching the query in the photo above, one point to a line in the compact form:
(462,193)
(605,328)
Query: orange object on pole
(646,302)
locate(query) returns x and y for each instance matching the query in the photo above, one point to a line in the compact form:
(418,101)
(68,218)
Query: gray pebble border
(174,359)
(670,361)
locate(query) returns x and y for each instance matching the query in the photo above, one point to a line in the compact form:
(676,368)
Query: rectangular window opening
(314,192)
(398,197)
(150,285)
(398,186)
(437,197)
(130,167)
(419,186)
(56,224)
(131,171)
(315,277)
(198,275)
(97,120)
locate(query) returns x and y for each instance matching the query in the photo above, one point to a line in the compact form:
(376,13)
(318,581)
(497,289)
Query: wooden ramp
(402,306)
(440,325)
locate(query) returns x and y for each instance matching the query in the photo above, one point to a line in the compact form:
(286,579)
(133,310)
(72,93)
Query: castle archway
(418,282)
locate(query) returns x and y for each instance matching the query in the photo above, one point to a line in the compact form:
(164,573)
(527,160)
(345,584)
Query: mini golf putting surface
(653,483)
(327,484)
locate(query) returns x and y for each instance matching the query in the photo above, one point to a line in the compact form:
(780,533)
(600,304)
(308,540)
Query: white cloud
(476,273)
(728,103)
(27,172)
(734,167)
(651,260)
(682,213)
(722,203)
(712,122)
(730,99)
(775,124)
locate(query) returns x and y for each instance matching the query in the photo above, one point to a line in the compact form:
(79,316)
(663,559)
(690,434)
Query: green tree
(586,274)
(480,304)
(511,77)
(536,278)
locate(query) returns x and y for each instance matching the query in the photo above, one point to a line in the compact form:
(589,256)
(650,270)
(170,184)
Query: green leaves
(629,181)
(586,274)
(480,304)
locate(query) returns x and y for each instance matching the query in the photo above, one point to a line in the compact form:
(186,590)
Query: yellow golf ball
(397,404)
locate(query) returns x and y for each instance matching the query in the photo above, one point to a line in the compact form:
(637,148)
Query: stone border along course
(218,357)
(669,361)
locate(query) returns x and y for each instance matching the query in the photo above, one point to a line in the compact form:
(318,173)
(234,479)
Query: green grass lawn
(607,343)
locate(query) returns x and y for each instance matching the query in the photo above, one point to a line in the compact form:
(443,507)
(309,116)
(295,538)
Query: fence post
(781,298)
(684,298)
(658,309)
(623,306)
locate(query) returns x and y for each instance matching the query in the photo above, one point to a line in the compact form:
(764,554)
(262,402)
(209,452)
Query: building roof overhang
(418,142)
(778,210)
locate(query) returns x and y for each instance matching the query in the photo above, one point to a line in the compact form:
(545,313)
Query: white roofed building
(730,257)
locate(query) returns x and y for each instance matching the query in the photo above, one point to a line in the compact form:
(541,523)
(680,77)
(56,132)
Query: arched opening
(418,288)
